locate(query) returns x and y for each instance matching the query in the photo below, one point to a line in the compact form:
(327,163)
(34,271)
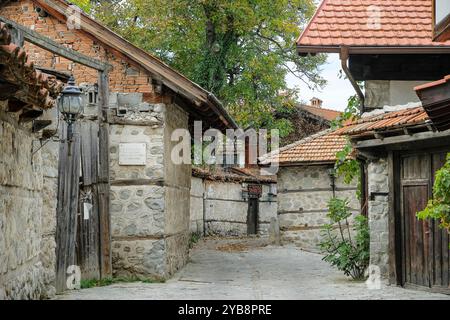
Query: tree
(239,50)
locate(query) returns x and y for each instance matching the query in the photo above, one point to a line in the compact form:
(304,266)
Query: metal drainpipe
(344,56)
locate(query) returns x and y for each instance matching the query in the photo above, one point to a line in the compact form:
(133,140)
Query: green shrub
(346,253)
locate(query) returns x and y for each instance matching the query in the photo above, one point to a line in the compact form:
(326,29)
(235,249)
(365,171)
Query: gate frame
(66,234)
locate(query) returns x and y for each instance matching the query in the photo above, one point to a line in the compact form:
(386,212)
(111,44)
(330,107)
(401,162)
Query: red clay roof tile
(348,23)
(321,147)
(386,121)
(326,114)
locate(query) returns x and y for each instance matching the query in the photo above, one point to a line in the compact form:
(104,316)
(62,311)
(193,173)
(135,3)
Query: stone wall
(196,222)
(27,213)
(378,212)
(149,203)
(225,211)
(303,195)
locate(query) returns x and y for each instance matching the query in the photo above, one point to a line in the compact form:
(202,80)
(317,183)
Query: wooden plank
(391,219)
(54,47)
(416,138)
(103,178)
(67,207)
(88,225)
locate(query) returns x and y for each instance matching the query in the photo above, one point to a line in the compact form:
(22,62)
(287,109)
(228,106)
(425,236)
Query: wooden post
(103,176)
(67,208)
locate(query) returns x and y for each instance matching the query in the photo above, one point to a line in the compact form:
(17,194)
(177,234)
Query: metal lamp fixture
(70,105)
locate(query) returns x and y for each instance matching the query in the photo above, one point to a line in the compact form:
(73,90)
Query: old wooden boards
(424,246)
(83,218)
(67,208)
(88,220)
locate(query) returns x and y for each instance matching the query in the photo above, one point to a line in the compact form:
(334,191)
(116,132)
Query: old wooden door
(88,229)
(252,216)
(424,245)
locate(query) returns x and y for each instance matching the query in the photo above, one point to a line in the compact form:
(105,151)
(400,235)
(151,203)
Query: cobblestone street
(248,269)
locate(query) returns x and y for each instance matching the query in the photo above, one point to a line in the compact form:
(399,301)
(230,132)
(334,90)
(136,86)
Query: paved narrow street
(249,269)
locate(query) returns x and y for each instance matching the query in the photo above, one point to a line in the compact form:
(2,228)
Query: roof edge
(319,8)
(375,49)
(173,78)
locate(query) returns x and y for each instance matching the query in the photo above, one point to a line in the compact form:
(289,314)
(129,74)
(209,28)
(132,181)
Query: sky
(337,91)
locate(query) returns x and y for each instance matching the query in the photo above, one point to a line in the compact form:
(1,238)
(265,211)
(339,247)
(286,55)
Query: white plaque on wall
(132,154)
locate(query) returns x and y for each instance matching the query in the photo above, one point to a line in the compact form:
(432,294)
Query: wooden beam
(56,48)
(67,208)
(401,139)
(104,177)
(407,67)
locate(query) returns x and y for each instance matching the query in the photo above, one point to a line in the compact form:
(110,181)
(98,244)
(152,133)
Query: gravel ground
(241,269)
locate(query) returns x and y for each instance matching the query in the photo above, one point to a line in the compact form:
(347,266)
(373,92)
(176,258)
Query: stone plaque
(132,154)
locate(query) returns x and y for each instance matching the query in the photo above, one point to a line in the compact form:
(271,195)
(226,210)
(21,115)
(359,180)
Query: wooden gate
(425,251)
(83,236)
(88,230)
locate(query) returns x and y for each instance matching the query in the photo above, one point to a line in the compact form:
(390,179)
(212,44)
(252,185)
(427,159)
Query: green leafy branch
(438,208)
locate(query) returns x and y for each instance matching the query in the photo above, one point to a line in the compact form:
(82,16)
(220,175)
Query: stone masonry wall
(379,214)
(149,236)
(196,208)
(225,210)
(303,195)
(177,183)
(137,192)
(26,244)
(149,203)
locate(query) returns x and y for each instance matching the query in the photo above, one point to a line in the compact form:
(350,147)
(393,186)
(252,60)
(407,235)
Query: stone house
(221,203)
(26,177)
(148,100)
(393,51)
(306,183)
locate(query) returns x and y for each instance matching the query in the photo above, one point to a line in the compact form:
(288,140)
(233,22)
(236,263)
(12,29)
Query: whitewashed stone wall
(27,213)
(225,210)
(303,195)
(380,93)
(378,212)
(149,203)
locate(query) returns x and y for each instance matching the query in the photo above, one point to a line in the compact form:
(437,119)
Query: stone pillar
(149,202)
(378,212)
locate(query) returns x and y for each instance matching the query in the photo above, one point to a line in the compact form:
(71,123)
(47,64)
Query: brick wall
(124,77)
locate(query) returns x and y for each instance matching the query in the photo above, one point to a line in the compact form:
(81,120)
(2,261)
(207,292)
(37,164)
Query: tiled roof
(318,148)
(239,175)
(386,121)
(326,114)
(402,23)
(38,88)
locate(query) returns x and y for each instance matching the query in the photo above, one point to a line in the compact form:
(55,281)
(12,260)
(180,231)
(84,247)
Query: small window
(441,20)
(92,95)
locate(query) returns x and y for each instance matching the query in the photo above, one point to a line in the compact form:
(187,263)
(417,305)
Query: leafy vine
(438,207)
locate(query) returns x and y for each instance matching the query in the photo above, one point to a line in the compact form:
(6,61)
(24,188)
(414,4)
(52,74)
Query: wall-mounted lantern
(70,105)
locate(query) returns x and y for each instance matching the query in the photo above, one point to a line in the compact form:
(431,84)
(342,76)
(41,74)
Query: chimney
(316,102)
